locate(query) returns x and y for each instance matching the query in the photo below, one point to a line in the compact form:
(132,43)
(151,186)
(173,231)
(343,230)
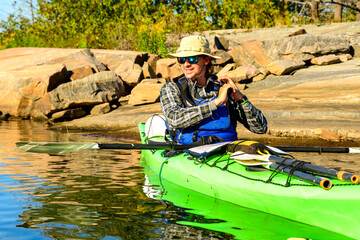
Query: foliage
(152,39)
(17,32)
(247,14)
(141,25)
(302,10)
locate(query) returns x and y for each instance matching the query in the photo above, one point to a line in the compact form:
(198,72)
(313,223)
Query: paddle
(319,149)
(63,147)
(266,159)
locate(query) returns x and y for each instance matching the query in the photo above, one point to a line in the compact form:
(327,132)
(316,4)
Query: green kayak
(336,209)
(201,211)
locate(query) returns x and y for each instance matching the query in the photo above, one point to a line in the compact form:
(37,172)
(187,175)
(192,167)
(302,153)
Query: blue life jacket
(218,124)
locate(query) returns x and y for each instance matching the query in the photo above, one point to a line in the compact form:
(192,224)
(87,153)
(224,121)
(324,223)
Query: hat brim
(190,54)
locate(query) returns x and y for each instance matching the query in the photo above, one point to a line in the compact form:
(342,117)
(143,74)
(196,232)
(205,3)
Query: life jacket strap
(204,140)
(172,134)
(195,135)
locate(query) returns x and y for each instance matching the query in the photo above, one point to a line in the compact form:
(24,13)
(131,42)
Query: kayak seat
(172,153)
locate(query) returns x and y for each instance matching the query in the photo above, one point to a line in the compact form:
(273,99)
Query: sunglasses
(191,60)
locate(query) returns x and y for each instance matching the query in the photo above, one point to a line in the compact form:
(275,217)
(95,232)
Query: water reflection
(100,194)
(94,194)
(89,194)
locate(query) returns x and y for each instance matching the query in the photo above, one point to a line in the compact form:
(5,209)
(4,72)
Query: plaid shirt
(181,114)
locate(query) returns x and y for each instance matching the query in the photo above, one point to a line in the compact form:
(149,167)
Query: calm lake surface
(112,194)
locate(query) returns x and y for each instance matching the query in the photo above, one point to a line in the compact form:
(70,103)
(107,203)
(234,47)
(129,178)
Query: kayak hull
(335,209)
(221,216)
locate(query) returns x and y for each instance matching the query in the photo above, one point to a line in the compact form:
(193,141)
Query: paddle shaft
(33,146)
(153,146)
(342,175)
(173,146)
(322,182)
(314,149)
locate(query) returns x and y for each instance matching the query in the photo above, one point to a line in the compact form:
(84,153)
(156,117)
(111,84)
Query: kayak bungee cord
(230,161)
(297,165)
(292,170)
(246,177)
(160,172)
(280,167)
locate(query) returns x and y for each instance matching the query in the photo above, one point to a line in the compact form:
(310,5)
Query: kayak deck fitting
(219,177)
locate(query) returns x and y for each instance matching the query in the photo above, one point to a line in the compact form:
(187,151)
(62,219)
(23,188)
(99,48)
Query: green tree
(141,25)
(228,14)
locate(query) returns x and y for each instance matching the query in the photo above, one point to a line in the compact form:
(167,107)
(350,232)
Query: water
(112,194)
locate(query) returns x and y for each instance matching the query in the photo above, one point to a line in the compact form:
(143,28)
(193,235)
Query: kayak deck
(225,179)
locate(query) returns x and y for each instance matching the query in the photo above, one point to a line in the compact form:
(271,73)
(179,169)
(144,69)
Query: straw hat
(193,46)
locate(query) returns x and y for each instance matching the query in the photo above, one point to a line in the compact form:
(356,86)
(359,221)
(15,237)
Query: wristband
(243,100)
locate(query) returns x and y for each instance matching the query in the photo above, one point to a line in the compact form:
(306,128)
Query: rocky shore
(306,81)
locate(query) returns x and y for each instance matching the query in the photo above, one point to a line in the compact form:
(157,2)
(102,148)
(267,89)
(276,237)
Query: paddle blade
(252,162)
(55,147)
(277,151)
(354,150)
(204,150)
(248,156)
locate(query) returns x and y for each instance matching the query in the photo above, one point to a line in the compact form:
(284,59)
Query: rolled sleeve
(252,118)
